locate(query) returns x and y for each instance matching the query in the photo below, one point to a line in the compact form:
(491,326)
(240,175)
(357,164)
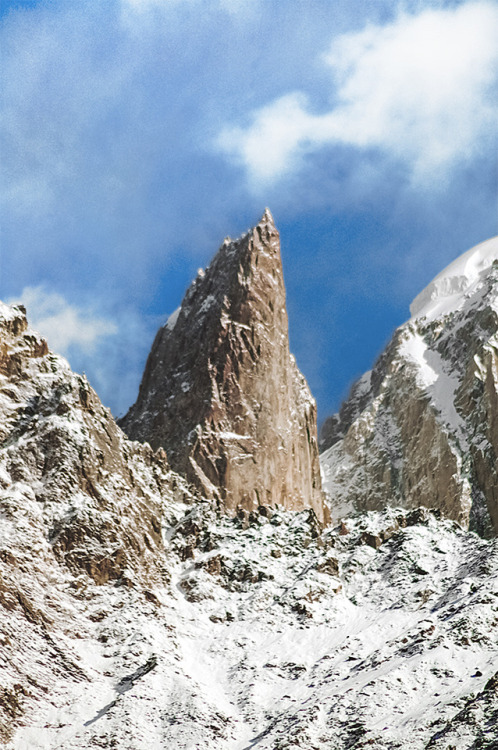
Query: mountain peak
(221,392)
(447,290)
(267,217)
(420,429)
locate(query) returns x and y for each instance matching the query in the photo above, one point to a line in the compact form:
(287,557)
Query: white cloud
(267,147)
(419,89)
(63,325)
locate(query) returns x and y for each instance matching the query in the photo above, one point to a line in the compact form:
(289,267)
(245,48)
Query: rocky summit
(421,428)
(222,394)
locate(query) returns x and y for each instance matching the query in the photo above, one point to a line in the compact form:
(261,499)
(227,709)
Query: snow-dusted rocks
(134,615)
(422,427)
(221,392)
(63,458)
(277,636)
(78,503)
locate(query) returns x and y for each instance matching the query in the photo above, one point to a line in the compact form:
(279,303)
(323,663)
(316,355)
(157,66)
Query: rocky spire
(221,392)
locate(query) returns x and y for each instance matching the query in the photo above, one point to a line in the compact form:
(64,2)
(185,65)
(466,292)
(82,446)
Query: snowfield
(380,633)
(448,291)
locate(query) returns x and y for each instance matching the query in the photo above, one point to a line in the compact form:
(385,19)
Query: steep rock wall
(221,392)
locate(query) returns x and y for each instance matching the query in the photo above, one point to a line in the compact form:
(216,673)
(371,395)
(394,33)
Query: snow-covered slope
(422,427)
(79,505)
(449,289)
(276,636)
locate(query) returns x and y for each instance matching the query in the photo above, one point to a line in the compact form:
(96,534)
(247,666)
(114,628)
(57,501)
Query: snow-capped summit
(422,429)
(446,292)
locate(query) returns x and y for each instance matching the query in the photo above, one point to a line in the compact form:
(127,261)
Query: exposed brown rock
(330,566)
(372,540)
(221,392)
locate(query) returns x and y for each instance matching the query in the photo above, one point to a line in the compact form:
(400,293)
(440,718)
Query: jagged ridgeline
(221,391)
(421,429)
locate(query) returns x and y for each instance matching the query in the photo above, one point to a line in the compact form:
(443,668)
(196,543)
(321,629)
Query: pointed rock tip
(266,220)
(267,217)
(265,226)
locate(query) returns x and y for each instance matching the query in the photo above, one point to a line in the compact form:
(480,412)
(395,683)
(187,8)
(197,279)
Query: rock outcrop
(85,488)
(222,394)
(421,429)
(81,509)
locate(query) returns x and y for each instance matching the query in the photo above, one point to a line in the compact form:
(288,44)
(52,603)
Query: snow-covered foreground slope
(422,427)
(79,503)
(277,636)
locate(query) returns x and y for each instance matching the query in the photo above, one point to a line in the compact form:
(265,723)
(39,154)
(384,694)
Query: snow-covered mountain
(275,636)
(422,427)
(133,614)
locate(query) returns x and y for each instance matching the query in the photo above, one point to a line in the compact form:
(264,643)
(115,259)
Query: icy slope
(448,291)
(422,427)
(276,636)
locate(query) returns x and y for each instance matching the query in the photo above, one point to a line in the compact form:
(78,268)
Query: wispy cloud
(419,89)
(64,326)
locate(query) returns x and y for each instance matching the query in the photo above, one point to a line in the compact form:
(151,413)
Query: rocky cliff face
(221,392)
(422,427)
(94,495)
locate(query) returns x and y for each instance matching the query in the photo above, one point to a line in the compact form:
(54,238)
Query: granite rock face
(421,429)
(222,394)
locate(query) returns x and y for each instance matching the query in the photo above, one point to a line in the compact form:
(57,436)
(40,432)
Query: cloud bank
(419,89)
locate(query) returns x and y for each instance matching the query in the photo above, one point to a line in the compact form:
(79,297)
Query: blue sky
(137,134)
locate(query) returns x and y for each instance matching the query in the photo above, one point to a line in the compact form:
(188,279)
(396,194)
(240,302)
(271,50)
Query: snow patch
(446,292)
(171,322)
(440,385)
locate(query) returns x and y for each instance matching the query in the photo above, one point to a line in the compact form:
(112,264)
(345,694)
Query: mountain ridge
(420,428)
(135,613)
